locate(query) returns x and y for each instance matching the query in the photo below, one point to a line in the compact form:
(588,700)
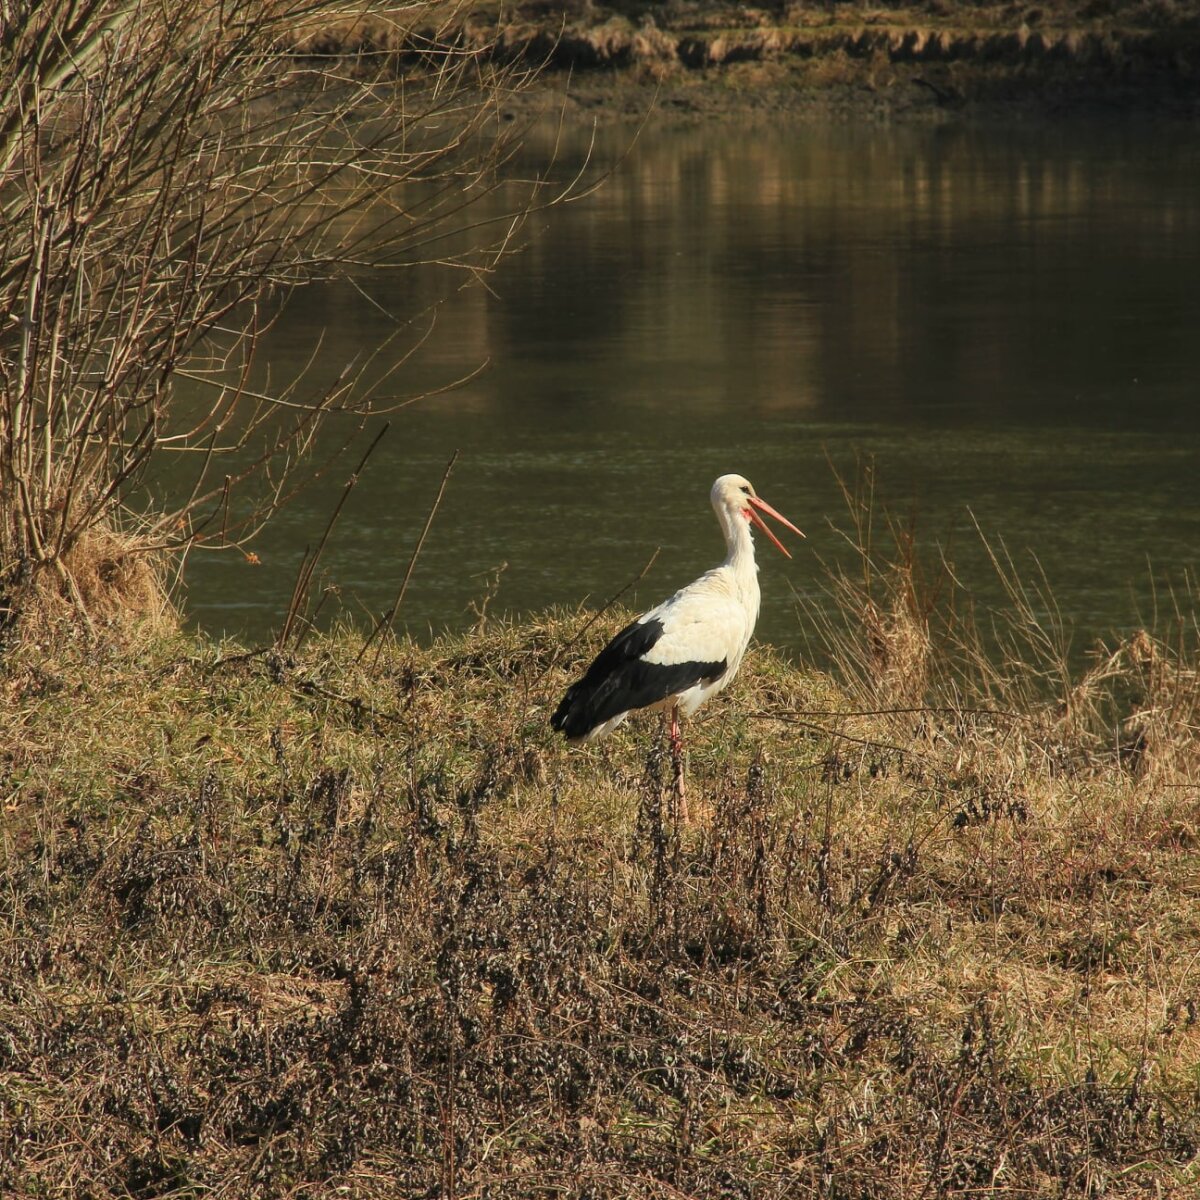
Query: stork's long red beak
(756,503)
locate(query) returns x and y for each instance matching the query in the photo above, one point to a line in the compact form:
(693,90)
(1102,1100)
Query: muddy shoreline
(904,96)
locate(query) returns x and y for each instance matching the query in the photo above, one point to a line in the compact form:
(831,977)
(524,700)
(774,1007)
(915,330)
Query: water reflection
(1004,318)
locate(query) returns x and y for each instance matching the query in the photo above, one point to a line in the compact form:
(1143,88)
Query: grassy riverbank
(830,59)
(318,926)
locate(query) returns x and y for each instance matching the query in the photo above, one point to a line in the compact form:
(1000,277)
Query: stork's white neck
(739,546)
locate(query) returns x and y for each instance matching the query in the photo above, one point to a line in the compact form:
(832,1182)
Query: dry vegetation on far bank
(841,56)
(317,926)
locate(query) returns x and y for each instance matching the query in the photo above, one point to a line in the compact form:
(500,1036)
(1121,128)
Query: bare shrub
(167,174)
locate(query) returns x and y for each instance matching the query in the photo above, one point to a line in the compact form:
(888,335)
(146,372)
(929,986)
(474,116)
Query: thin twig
(887,712)
(309,562)
(614,598)
(835,733)
(385,621)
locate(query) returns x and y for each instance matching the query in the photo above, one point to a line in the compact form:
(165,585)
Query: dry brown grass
(110,585)
(898,58)
(297,926)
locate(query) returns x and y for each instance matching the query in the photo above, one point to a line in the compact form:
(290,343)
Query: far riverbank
(841,61)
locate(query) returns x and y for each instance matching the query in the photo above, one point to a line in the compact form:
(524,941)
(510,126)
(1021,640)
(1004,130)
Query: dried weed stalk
(999,693)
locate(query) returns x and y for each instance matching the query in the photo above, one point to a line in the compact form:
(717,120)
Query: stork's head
(734,498)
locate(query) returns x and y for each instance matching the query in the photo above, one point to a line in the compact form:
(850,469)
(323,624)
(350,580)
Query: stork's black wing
(621,681)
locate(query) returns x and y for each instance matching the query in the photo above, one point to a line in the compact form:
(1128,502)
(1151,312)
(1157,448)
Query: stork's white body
(688,648)
(709,621)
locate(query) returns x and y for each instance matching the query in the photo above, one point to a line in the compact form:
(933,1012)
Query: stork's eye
(746,488)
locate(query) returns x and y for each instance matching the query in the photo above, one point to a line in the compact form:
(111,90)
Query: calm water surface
(1007,321)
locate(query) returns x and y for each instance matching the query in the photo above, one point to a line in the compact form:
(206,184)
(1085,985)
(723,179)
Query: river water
(1004,320)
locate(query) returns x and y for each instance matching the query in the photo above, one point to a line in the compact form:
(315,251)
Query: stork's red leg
(677,763)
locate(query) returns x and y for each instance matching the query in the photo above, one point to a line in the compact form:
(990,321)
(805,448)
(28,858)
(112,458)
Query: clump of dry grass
(303,924)
(907,643)
(106,582)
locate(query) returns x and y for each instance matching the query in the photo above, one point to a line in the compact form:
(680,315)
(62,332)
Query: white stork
(686,649)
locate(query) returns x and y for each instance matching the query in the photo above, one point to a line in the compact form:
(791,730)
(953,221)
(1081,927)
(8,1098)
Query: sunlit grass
(322,923)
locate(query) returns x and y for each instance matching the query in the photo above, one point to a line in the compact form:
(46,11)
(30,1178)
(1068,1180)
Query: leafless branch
(168,174)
